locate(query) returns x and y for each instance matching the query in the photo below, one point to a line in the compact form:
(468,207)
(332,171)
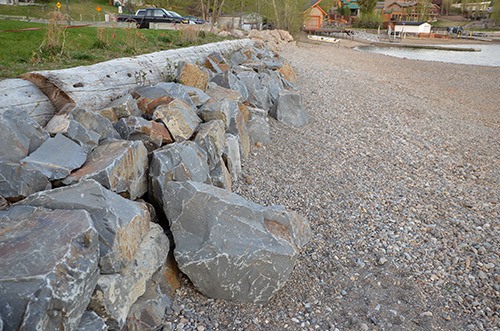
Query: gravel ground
(398,173)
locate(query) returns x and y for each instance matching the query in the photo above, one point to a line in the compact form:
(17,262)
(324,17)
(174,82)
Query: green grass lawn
(78,10)
(24,46)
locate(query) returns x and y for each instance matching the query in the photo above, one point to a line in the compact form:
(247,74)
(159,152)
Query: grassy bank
(27,46)
(78,10)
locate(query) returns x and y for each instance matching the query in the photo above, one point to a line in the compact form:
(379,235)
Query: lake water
(488,56)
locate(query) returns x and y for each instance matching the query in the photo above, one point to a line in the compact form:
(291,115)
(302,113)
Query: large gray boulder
(20,135)
(221,177)
(17,182)
(56,157)
(235,249)
(218,93)
(94,122)
(122,107)
(48,267)
(231,156)
(116,293)
(87,139)
(288,109)
(178,162)
(258,93)
(224,110)
(259,130)
(272,80)
(179,117)
(212,139)
(148,312)
(192,95)
(229,80)
(152,134)
(92,322)
(118,165)
(120,223)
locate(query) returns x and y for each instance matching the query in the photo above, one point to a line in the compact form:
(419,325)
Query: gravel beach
(398,173)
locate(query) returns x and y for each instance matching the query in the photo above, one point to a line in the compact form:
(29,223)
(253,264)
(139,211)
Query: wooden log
(95,86)
(25,96)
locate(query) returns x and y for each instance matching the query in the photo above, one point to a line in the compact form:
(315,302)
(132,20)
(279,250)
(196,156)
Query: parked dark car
(144,17)
(456,29)
(196,20)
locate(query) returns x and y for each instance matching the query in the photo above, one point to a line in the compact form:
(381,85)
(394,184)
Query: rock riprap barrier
(114,175)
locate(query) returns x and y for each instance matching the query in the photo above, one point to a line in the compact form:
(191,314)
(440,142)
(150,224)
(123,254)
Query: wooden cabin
(314,16)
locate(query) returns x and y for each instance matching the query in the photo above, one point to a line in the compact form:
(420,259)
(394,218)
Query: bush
(368,21)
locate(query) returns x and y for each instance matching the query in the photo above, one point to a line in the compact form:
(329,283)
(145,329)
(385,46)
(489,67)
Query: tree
(284,14)
(211,8)
(423,8)
(367,6)
(495,15)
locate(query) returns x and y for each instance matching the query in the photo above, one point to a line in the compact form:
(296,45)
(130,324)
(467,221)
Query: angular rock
(151,97)
(274,85)
(23,96)
(198,97)
(152,134)
(238,58)
(285,36)
(258,94)
(223,110)
(122,107)
(216,67)
(4,204)
(120,223)
(288,73)
(192,95)
(94,122)
(259,130)
(49,267)
(242,130)
(272,63)
(221,177)
(218,93)
(231,156)
(148,312)
(87,139)
(179,117)
(178,162)
(20,135)
(217,63)
(17,182)
(258,112)
(92,322)
(116,293)
(148,106)
(236,249)
(229,80)
(167,277)
(288,109)
(211,138)
(56,157)
(253,66)
(118,165)
(192,75)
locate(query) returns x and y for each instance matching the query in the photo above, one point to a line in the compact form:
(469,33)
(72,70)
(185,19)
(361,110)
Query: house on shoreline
(314,16)
(411,28)
(414,11)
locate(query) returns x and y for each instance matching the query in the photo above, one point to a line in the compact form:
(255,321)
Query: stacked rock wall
(88,174)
